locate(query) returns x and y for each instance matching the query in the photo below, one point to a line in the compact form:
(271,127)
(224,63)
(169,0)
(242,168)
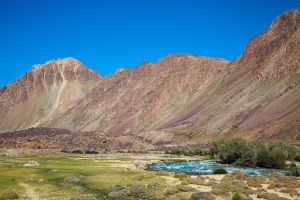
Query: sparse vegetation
(9,194)
(187,152)
(77,152)
(236,196)
(220,171)
(238,151)
(91,152)
(137,151)
(80,152)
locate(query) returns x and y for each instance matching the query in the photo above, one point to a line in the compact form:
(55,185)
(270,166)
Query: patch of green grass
(95,175)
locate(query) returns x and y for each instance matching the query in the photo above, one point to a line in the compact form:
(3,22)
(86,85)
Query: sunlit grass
(96,175)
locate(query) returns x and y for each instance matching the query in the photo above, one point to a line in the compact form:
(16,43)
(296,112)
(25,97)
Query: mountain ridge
(42,90)
(184,98)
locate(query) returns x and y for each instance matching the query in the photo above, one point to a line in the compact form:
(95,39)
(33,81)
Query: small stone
(78,189)
(31,163)
(71,179)
(117,194)
(117,187)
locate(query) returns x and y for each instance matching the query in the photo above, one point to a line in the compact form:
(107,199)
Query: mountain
(180,99)
(44,91)
(142,98)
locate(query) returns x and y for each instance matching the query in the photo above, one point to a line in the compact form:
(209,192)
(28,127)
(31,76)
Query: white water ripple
(208,166)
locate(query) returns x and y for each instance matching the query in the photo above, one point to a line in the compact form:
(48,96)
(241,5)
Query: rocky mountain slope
(180,98)
(44,91)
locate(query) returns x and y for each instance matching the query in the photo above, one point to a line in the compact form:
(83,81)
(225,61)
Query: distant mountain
(44,91)
(180,99)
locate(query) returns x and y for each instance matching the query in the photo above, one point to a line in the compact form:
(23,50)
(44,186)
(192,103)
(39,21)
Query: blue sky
(106,35)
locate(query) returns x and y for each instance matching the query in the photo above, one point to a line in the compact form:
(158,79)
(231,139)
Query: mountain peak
(276,45)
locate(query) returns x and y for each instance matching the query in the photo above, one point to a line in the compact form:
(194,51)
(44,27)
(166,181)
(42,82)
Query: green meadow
(76,177)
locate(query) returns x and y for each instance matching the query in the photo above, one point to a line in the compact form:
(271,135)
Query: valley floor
(56,175)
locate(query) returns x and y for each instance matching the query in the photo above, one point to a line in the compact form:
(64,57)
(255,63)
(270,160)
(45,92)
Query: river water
(208,166)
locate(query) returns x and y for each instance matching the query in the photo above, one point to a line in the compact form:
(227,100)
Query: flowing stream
(208,166)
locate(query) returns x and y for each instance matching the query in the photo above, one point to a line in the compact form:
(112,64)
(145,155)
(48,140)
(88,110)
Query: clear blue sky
(108,34)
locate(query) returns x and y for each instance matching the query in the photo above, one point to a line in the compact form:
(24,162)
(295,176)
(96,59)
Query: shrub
(10,194)
(297,157)
(91,152)
(293,172)
(77,152)
(220,171)
(271,159)
(137,151)
(179,175)
(230,150)
(186,152)
(240,152)
(162,173)
(236,196)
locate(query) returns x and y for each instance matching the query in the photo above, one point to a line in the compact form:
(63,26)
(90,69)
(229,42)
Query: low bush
(186,152)
(236,196)
(179,175)
(77,152)
(137,151)
(64,151)
(91,152)
(220,171)
(10,194)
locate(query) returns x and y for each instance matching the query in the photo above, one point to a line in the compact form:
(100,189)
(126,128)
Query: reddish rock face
(42,91)
(140,98)
(180,99)
(274,51)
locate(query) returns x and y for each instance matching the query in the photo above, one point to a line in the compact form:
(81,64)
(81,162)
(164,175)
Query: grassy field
(87,178)
(121,176)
